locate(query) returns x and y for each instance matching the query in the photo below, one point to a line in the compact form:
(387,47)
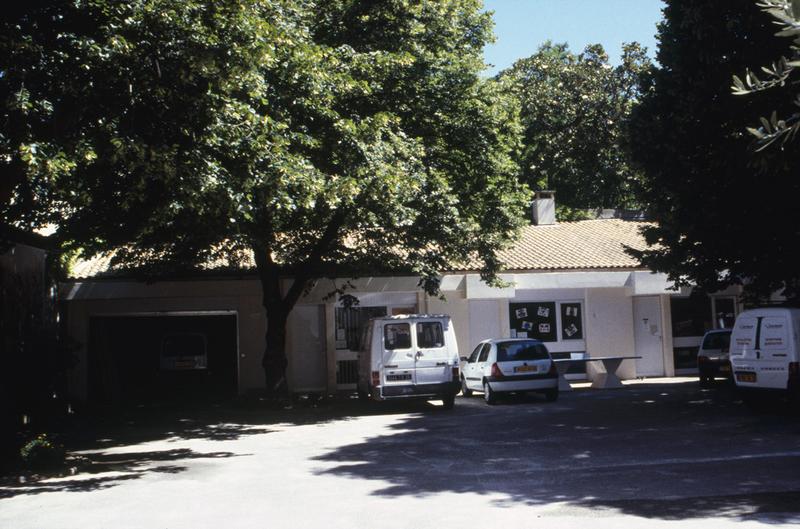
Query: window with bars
(350,322)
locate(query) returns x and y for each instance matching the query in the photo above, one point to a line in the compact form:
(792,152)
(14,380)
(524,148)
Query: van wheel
(551,395)
(464,389)
(705,381)
(449,401)
(362,394)
(489,395)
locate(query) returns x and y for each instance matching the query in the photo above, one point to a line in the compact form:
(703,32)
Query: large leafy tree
(322,138)
(575,110)
(724,216)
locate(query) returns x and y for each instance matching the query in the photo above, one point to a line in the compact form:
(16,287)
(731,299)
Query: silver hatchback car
(509,365)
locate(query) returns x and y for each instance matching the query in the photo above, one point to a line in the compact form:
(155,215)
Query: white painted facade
(623,313)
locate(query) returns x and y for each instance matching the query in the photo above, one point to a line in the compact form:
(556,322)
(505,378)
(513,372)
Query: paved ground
(649,455)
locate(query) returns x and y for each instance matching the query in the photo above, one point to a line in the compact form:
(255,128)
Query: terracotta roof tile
(587,244)
(581,245)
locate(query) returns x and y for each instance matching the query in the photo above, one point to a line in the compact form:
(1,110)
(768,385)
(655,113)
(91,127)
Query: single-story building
(570,284)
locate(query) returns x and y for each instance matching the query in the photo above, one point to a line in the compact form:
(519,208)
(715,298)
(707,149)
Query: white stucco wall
(458,309)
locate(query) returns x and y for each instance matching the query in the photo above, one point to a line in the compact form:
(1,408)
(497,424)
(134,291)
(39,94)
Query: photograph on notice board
(571,321)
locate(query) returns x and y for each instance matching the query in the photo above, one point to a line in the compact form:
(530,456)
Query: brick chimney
(544,208)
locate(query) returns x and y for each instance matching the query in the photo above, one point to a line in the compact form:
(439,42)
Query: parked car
(509,365)
(713,358)
(409,356)
(765,355)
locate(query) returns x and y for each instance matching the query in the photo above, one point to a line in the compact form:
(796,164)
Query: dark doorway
(162,357)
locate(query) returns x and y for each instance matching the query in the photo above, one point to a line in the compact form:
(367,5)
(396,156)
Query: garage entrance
(146,358)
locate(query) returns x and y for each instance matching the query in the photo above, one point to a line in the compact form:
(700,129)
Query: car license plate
(396,378)
(525,369)
(746,377)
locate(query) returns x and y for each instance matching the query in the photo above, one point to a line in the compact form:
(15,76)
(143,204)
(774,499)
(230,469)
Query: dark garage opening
(162,357)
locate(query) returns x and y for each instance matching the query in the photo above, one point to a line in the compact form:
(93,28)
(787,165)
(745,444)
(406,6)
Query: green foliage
(41,452)
(787,16)
(181,129)
(575,110)
(567,214)
(724,216)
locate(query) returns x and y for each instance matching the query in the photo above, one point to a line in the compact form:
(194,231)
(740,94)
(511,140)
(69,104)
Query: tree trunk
(277,307)
(274,361)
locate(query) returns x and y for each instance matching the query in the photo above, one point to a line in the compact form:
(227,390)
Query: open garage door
(145,358)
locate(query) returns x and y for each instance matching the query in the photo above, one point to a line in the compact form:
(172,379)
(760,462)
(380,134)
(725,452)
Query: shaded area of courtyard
(655,451)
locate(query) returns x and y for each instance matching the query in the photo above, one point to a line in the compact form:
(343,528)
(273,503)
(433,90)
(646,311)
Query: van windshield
(516,351)
(717,340)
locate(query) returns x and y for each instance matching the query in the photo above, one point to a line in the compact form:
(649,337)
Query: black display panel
(534,320)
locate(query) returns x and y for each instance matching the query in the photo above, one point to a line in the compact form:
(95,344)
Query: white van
(764,349)
(409,356)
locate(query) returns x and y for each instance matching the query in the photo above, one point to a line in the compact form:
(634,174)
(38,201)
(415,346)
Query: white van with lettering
(764,350)
(409,356)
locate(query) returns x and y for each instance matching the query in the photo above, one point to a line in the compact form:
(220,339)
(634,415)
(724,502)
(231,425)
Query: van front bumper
(419,390)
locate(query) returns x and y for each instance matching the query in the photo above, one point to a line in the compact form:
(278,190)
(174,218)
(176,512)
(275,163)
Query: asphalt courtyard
(655,454)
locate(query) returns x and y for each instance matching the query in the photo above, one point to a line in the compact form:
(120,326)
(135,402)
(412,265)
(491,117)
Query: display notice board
(533,320)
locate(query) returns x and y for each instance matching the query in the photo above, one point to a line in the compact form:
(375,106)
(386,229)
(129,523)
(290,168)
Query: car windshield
(515,351)
(717,340)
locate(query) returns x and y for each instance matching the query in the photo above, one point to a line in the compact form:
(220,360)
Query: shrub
(42,452)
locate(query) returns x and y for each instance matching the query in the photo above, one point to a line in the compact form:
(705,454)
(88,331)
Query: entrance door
(648,336)
(307,358)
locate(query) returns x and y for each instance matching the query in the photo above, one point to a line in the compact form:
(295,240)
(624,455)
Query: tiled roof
(86,268)
(581,245)
(586,244)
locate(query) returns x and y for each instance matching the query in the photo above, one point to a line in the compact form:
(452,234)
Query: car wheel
(489,395)
(551,395)
(464,389)
(449,401)
(705,381)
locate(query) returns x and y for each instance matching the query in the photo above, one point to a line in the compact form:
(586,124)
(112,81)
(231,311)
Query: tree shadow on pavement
(94,440)
(102,470)
(664,452)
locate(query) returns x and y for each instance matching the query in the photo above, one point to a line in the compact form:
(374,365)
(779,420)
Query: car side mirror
(464,358)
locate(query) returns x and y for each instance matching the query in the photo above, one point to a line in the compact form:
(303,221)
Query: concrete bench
(607,380)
